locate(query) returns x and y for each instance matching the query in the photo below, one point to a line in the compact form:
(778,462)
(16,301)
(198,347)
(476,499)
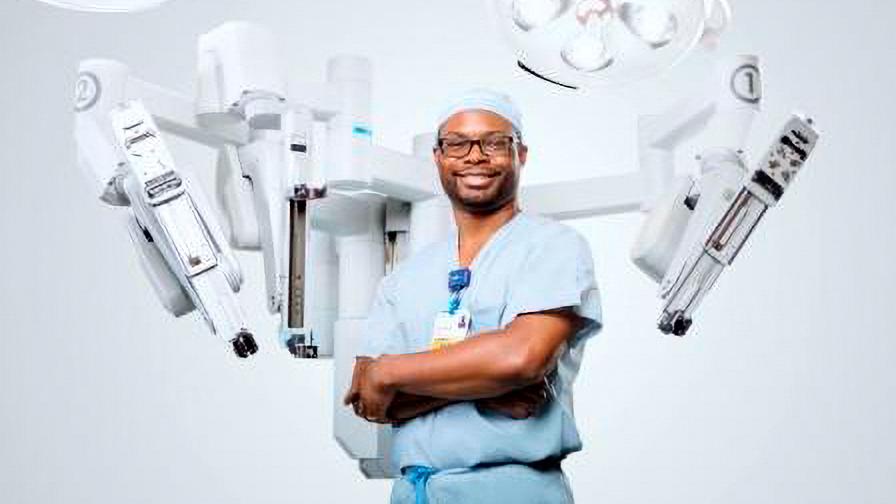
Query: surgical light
(576,43)
(654,25)
(589,51)
(531,14)
(105,5)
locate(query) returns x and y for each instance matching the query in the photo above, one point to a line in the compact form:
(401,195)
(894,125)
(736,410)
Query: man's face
(480,182)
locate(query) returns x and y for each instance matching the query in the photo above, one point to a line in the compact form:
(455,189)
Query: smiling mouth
(477,179)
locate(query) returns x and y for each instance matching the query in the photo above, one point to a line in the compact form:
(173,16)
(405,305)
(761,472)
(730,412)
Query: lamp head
(106,5)
(581,43)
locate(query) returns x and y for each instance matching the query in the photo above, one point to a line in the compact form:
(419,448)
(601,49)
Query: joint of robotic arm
(262,110)
(114,193)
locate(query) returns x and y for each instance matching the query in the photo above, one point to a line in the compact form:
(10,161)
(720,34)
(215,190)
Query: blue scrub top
(531,264)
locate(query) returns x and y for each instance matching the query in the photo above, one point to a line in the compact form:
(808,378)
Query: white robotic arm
(181,248)
(695,223)
(269,181)
(697,228)
(169,216)
(273,188)
(723,215)
(267,185)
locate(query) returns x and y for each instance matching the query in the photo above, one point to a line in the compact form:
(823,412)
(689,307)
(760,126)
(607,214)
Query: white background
(783,391)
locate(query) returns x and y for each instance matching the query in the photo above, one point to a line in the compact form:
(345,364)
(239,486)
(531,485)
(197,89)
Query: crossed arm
(511,363)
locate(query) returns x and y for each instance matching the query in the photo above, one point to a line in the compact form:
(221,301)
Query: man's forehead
(476,121)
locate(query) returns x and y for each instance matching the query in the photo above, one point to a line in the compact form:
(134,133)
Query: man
(468,331)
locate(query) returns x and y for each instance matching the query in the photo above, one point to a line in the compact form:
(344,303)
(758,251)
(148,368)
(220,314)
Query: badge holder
(453,326)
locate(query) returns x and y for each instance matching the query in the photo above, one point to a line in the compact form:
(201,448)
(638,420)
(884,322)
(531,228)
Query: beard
(500,191)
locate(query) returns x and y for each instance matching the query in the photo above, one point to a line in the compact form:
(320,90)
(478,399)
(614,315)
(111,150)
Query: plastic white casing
(235,58)
(662,231)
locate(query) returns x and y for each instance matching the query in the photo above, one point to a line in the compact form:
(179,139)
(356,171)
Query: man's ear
(522,153)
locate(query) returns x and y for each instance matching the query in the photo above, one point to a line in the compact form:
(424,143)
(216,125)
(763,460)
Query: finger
(352,389)
(369,414)
(374,413)
(527,398)
(357,373)
(519,412)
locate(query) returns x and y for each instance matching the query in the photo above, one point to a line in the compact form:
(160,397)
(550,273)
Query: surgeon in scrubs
(472,345)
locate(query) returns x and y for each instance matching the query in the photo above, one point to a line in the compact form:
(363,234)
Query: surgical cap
(484,99)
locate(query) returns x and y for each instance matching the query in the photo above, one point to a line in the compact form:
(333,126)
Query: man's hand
(353,395)
(519,404)
(369,394)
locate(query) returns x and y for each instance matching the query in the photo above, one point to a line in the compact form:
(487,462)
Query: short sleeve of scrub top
(558,274)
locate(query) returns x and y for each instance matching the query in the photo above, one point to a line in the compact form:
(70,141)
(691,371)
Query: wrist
(385,376)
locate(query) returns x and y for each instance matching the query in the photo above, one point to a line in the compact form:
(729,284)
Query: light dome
(579,43)
(105,5)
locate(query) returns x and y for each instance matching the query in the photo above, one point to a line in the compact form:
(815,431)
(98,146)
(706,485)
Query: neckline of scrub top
(491,242)
(488,243)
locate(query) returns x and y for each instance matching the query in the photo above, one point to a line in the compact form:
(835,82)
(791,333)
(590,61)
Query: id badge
(449,329)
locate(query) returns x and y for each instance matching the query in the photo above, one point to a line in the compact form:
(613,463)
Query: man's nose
(476,154)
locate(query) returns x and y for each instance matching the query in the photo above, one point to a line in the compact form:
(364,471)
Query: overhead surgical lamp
(577,43)
(106,5)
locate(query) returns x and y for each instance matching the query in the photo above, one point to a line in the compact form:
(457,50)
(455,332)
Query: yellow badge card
(449,329)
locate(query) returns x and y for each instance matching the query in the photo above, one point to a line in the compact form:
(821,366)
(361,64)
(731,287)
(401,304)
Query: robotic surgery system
(299,178)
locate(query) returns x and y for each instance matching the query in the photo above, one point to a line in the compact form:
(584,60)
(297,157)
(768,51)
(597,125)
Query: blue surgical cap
(484,99)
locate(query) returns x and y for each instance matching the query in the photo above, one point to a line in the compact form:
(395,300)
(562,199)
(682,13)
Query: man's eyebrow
(480,133)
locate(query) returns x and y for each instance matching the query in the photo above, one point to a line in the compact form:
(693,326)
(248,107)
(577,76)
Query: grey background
(783,392)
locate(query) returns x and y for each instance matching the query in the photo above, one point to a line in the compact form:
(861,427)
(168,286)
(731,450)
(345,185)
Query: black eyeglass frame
(480,141)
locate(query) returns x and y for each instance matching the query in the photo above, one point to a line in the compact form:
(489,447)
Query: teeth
(476,179)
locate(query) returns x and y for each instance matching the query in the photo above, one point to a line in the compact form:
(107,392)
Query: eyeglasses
(459,147)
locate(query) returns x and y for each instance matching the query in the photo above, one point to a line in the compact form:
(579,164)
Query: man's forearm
(487,365)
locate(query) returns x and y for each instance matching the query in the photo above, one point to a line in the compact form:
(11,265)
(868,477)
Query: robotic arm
(273,188)
(705,225)
(240,86)
(167,214)
(697,229)
(696,224)
(269,184)
(179,244)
